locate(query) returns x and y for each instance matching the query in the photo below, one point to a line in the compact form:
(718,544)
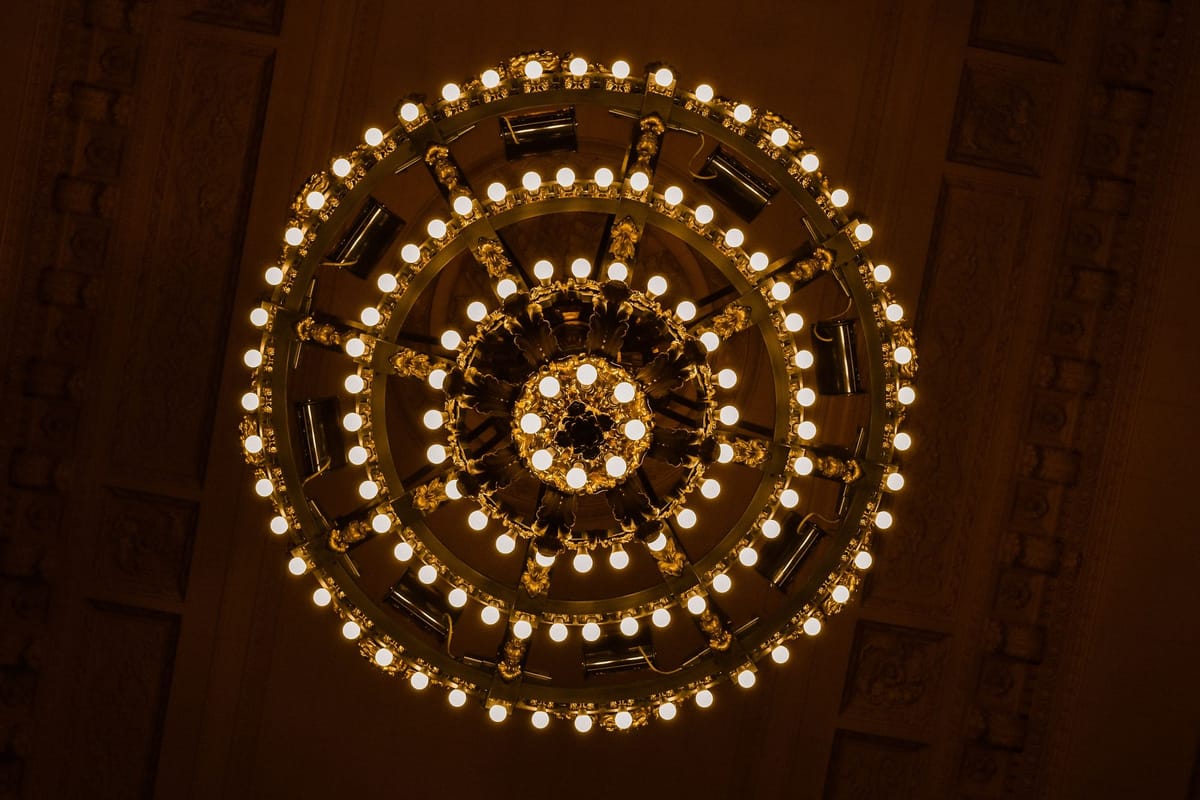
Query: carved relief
(264,16)
(144,543)
(1003,118)
(895,673)
(1031,28)
(864,767)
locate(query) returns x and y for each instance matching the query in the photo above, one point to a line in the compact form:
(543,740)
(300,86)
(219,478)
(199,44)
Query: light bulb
(840,594)
(411,253)
(673,196)
(863,232)
(253,444)
(531,423)
(781,290)
(505,544)
(604,177)
(586,374)
(539,719)
(297,566)
(496,191)
(387,283)
(812,626)
(522,629)
(696,604)
(771,529)
(373,137)
(490,79)
(902,441)
(724,453)
(457,597)
(477,520)
(639,181)
(664,77)
(252,358)
(582,563)
(457,698)
(635,429)
(789,498)
(906,395)
(352,422)
(615,466)
(273,276)
(727,378)
(418,681)
(780,654)
(710,340)
(809,162)
(259,317)
(661,617)
(315,201)
(806,397)
(759,261)
(543,270)
(451,339)
(543,560)
(618,558)
(558,632)
(436,453)
(658,543)
(341,167)
(293,236)
(624,392)
(657,285)
(863,559)
(531,181)
(279,525)
(384,657)
(629,626)
(505,287)
(734,237)
(617,271)
(581,268)
(742,112)
(882,273)
(476,311)
(565,177)
(381,523)
(722,583)
(402,552)
(704,698)
(710,488)
(839,197)
(354,383)
(793,322)
(686,518)
(451,92)
(620,70)
(351,630)
(902,355)
(427,574)
(489,614)
(894,312)
(409,112)
(533,69)
(748,556)
(591,631)
(686,310)
(462,205)
(541,460)
(895,481)
(497,713)
(729,415)
(549,386)
(746,678)
(357,455)
(704,214)
(804,359)
(263,487)
(452,490)
(322,597)
(433,419)
(780,137)
(578,66)
(623,720)
(576,478)
(667,711)
(583,723)
(704,93)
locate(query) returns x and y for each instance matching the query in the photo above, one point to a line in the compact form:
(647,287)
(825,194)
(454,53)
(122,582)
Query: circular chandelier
(615,422)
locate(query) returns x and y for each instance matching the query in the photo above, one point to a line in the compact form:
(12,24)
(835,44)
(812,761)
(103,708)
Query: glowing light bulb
(531,181)
(742,113)
(352,421)
(539,719)
(780,137)
(759,261)
(565,177)
(591,631)
(789,498)
(577,67)
(639,181)
(582,563)
(252,358)
(724,453)
(673,196)
(409,112)
(710,488)
(748,556)
(686,518)
(657,285)
(895,481)
(667,711)
(729,415)
(402,552)
(704,214)
(635,429)
(384,657)
(496,191)
(906,395)
(883,520)
(576,478)
(617,271)
(806,397)
(781,290)
(882,273)
(806,430)
(522,629)
(531,423)
(804,359)
(381,523)
(583,723)
(341,167)
(293,236)
(451,92)
(315,201)
(477,520)
(263,487)
(710,340)
(387,283)
(558,632)
(253,444)
(436,453)
(664,77)
(505,287)
(462,205)
(618,558)
(489,614)
(624,392)
(734,237)
(894,312)
(457,698)
(793,322)
(368,490)
(297,566)
(411,253)
(615,466)
(902,441)
(722,583)
(623,720)
(746,678)
(812,626)
(497,713)
(533,69)
(436,228)
(863,559)
(543,270)
(452,490)
(839,198)
(549,386)
(661,617)
(586,374)
(351,630)
(490,79)
(457,597)
(273,276)
(840,594)
(581,268)
(704,93)
(357,455)
(727,378)
(771,528)
(604,177)
(541,460)
(322,597)
(686,310)
(629,626)
(505,544)
(809,162)
(780,654)
(620,70)
(863,232)
(437,378)
(696,604)
(543,560)
(902,355)
(704,698)
(433,419)
(658,543)
(259,317)
(373,137)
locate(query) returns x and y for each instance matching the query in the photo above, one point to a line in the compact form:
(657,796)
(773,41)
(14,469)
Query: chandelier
(611,425)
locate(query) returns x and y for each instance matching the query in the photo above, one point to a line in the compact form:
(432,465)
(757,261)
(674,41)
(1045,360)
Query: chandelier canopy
(614,420)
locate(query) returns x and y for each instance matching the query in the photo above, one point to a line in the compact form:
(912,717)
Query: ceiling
(1028,629)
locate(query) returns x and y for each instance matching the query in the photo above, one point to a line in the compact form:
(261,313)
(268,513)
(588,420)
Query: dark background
(1029,629)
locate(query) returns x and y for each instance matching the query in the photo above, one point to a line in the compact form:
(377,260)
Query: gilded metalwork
(846,470)
(427,497)
(718,637)
(514,655)
(751,452)
(351,533)
(807,269)
(325,333)
(490,253)
(623,241)
(734,318)
(670,560)
(413,364)
(444,169)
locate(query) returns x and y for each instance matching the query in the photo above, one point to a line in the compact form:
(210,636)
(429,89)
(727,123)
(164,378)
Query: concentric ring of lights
(269,431)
